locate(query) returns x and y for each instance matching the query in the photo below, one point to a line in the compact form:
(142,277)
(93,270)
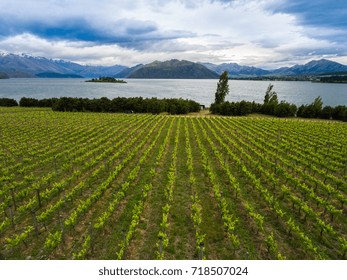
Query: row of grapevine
(196,208)
(163,239)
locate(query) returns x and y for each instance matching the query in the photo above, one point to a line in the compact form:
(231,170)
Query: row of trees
(272,106)
(316,110)
(33,102)
(8,102)
(119,104)
(242,108)
(130,105)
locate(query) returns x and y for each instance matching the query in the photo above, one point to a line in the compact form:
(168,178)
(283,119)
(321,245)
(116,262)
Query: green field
(131,186)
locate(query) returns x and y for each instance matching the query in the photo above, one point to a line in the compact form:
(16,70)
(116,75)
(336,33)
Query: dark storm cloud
(80,29)
(317,13)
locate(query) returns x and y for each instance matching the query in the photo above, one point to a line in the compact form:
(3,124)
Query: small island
(106,80)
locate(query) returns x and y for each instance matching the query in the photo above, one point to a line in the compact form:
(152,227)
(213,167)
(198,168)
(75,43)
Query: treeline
(119,104)
(123,104)
(33,102)
(333,79)
(316,110)
(273,107)
(242,108)
(8,102)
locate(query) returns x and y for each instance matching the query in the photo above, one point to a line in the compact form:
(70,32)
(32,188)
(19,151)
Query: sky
(262,33)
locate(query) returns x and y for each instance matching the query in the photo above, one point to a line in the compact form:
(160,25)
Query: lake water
(201,91)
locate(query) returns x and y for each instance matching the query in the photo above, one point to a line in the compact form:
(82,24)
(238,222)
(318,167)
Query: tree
(314,110)
(284,109)
(270,101)
(317,106)
(222,88)
(8,102)
(245,108)
(327,112)
(340,113)
(270,96)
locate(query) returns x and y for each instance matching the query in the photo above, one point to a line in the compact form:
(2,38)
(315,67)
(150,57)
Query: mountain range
(27,66)
(236,70)
(24,65)
(312,68)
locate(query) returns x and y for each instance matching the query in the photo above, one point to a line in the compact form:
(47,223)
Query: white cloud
(245,32)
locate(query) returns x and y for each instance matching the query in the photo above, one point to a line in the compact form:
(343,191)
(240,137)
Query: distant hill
(126,72)
(236,70)
(26,66)
(314,67)
(173,69)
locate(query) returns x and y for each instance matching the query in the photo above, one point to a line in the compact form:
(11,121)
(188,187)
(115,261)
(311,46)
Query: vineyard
(140,186)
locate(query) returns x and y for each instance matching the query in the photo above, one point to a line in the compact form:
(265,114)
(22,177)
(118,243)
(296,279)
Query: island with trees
(106,80)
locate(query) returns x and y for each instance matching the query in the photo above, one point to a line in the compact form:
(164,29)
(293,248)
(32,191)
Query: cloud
(321,19)
(80,29)
(322,13)
(251,32)
(90,53)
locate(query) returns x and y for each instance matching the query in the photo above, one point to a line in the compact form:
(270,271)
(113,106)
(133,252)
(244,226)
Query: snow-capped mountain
(26,65)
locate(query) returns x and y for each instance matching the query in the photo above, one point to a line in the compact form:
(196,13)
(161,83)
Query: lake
(201,91)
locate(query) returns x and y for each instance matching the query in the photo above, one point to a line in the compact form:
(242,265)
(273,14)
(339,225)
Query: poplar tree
(222,88)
